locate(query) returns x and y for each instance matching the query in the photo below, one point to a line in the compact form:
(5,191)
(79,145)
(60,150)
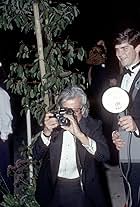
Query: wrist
(83,138)
(46,132)
(46,135)
(46,139)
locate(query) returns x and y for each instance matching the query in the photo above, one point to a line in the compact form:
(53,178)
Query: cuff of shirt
(91,148)
(137,132)
(3,136)
(45,139)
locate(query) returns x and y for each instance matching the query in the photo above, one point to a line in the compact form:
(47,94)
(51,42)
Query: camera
(63,121)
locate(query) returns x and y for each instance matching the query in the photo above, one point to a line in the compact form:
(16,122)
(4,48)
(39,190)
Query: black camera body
(63,121)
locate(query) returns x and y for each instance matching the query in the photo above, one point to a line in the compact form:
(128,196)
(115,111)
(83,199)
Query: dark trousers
(68,193)
(134,180)
(5,181)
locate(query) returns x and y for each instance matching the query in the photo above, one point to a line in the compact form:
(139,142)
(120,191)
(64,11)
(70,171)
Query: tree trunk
(40,49)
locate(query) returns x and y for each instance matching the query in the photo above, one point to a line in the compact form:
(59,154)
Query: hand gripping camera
(63,121)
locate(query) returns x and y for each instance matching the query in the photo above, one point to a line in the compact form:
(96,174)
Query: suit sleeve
(93,129)
(102,150)
(135,111)
(39,149)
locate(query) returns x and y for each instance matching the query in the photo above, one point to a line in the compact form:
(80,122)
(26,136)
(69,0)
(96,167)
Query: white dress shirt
(68,166)
(128,80)
(5,115)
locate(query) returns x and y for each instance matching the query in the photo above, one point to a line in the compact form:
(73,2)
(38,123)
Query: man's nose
(120,53)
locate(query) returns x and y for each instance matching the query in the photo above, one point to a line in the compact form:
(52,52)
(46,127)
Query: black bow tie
(135,65)
(127,71)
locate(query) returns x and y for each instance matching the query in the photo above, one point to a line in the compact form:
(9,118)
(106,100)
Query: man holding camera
(71,146)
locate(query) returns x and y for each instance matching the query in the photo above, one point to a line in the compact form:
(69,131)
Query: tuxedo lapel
(81,151)
(55,154)
(133,84)
(120,79)
(80,155)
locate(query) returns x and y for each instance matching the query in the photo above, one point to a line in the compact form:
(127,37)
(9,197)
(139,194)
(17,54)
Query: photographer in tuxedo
(127,47)
(71,146)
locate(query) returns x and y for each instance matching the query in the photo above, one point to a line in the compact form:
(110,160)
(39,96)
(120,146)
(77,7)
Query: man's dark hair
(129,35)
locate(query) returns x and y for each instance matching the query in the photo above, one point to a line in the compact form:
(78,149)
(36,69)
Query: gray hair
(72,92)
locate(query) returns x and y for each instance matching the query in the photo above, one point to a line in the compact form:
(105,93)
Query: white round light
(115,100)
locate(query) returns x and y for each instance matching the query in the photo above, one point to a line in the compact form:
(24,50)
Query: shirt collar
(134,67)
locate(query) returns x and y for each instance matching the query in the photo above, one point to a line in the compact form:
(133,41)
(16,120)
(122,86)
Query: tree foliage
(60,53)
(24,190)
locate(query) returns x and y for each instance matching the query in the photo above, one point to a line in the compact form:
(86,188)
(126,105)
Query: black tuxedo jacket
(51,157)
(134,104)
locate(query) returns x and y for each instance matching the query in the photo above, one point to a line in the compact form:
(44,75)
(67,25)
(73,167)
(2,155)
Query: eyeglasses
(76,110)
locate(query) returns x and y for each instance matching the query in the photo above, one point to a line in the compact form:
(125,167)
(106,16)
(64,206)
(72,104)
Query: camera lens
(63,121)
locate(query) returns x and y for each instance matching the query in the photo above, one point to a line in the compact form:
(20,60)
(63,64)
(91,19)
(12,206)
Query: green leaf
(20,71)
(81,54)
(49,85)
(9,83)
(23,101)
(32,93)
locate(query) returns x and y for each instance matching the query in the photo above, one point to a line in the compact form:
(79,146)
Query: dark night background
(97,20)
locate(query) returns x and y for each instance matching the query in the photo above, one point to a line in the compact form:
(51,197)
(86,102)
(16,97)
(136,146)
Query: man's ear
(83,110)
(137,49)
